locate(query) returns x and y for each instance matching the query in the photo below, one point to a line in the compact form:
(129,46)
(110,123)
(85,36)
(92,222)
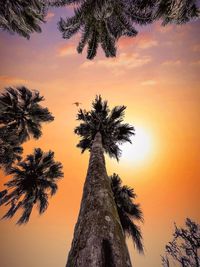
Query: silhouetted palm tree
(34,180)
(98,237)
(22,17)
(21,114)
(107,123)
(127,210)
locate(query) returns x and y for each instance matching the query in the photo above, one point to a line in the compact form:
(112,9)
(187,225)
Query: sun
(140,149)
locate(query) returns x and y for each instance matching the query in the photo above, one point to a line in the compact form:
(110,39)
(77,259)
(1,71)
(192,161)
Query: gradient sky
(156,75)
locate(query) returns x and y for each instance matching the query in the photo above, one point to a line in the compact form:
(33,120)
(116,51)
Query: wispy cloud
(10,80)
(196,48)
(49,16)
(195,63)
(171,63)
(143,41)
(67,50)
(120,64)
(149,83)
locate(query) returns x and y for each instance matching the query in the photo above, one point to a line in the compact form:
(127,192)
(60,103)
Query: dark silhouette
(33,181)
(127,210)
(10,151)
(34,178)
(100,22)
(21,113)
(107,123)
(185,246)
(98,237)
(21,117)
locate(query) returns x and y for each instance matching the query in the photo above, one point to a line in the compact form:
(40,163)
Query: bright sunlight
(140,149)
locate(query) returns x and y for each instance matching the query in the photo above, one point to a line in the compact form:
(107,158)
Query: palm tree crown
(34,180)
(107,123)
(21,114)
(127,210)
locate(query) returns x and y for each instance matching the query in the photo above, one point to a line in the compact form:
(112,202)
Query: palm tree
(127,210)
(21,114)
(103,22)
(34,180)
(22,17)
(98,236)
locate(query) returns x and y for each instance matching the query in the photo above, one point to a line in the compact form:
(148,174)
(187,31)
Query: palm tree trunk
(98,237)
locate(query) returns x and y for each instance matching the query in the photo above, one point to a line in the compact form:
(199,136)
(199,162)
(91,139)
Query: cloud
(195,63)
(196,48)
(120,64)
(143,41)
(11,80)
(49,16)
(67,50)
(149,83)
(171,63)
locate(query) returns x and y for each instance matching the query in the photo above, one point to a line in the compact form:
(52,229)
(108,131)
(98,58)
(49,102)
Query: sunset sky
(157,76)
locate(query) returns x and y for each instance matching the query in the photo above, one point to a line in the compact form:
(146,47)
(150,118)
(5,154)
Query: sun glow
(140,149)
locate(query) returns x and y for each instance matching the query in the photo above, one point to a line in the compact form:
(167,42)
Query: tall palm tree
(21,114)
(98,236)
(23,17)
(127,210)
(33,180)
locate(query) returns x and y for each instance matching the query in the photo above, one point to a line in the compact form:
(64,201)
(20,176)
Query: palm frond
(127,210)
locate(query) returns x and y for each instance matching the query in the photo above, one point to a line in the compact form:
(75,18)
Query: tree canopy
(35,178)
(33,181)
(184,249)
(100,22)
(21,117)
(108,123)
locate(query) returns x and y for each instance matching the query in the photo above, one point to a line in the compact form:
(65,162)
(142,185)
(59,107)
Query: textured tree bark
(98,237)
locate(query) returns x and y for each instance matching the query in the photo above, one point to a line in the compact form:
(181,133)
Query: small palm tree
(21,114)
(108,123)
(34,180)
(127,210)
(22,17)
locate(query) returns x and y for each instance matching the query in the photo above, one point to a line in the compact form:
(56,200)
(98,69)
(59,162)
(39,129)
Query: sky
(156,75)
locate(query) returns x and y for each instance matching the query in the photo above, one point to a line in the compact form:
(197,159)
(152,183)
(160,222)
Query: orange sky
(156,75)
